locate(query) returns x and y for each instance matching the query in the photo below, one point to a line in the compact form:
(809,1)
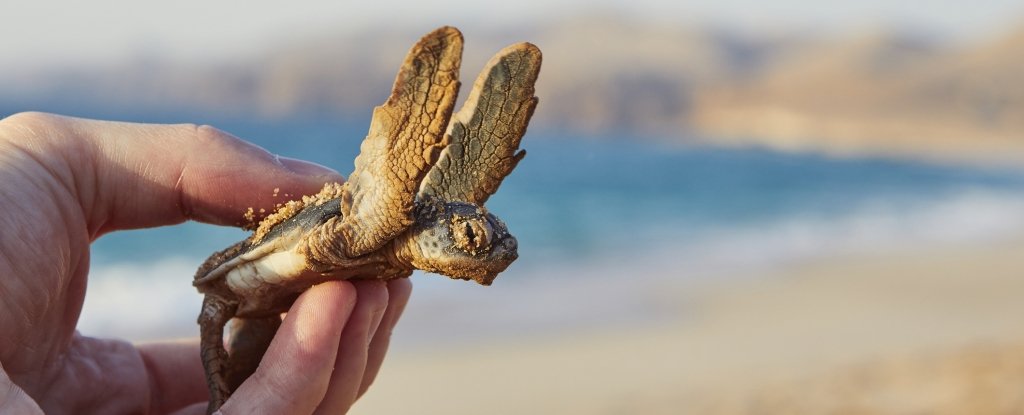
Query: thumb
(129,175)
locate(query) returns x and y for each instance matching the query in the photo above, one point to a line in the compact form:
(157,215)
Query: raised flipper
(406,135)
(486,132)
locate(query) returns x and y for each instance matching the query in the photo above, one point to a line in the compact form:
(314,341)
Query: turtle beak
(505,252)
(510,249)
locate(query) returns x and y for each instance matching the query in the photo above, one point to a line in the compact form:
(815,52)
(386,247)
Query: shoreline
(995,154)
(732,339)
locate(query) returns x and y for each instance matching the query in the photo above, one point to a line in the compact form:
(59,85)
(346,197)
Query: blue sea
(602,222)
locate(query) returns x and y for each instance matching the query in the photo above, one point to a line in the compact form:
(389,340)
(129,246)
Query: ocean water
(601,224)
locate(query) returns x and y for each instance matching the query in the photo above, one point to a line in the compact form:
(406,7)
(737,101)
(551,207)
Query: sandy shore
(938,331)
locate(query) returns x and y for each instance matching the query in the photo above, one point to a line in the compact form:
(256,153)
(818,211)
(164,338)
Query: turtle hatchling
(414,201)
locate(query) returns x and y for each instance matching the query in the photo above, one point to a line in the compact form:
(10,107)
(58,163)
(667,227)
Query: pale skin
(64,182)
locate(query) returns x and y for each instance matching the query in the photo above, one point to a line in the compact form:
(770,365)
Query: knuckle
(210,134)
(31,118)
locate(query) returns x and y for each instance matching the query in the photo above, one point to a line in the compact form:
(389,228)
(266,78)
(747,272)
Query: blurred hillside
(881,93)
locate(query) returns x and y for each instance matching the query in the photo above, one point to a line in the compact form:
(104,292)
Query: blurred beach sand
(933,331)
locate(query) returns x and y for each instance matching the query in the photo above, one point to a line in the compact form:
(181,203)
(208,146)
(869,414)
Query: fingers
(294,374)
(398,296)
(353,349)
(129,175)
(14,400)
(167,363)
(364,335)
(194,409)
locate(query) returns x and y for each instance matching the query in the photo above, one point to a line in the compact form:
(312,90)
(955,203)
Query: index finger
(129,175)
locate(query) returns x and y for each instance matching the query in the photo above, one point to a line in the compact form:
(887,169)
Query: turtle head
(460,240)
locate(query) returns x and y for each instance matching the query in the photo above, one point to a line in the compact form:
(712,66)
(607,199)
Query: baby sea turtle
(415,201)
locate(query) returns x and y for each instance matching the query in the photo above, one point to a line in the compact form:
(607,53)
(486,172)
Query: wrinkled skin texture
(405,137)
(485,134)
(65,182)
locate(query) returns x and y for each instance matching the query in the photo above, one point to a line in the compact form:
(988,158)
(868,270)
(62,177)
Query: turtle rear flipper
(249,340)
(215,314)
(406,134)
(486,132)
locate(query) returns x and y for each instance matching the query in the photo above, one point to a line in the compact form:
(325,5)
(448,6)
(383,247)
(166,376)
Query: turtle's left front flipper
(485,134)
(406,135)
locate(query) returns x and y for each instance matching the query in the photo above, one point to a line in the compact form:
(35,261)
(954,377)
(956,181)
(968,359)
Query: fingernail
(306,168)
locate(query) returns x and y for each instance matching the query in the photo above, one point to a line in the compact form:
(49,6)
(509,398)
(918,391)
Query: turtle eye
(470,235)
(473,235)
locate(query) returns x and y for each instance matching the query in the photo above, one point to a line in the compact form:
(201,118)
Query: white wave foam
(878,226)
(142,301)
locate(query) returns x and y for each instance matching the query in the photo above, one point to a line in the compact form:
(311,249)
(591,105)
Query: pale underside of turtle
(414,201)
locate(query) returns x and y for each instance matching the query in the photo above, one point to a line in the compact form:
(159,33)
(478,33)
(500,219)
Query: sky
(44,33)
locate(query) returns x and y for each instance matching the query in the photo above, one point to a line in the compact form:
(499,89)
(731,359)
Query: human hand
(65,182)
